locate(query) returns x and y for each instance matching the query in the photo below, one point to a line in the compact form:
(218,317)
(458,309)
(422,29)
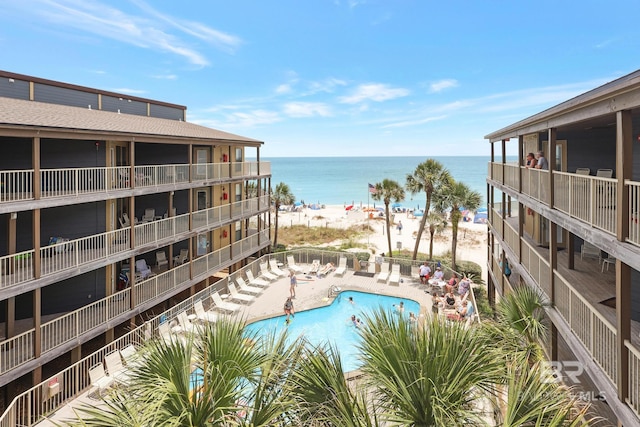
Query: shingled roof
(16,112)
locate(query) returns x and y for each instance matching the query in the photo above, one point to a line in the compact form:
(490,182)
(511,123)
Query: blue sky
(332,77)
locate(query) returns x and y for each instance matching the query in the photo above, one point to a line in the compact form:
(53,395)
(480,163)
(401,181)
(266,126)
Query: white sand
(472,238)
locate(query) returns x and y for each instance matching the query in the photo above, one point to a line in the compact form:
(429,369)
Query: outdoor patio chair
(273,263)
(242,285)
(185,323)
(161,259)
(202,314)
(182,258)
(583,171)
(609,260)
(99,379)
(224,305)
(255,280)
(149,215)
(394,277)
(342,267)
(170,334)
(237,296)
(383,276)
(588,249)
(131,357)
(604,173)
(291,264)
(264,272)
(143,269)
(315,266)
(115,368)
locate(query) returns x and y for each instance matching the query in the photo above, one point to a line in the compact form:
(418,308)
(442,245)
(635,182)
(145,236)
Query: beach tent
(418,213)
(396,205)
(480,218)
(482,210)
(315,207)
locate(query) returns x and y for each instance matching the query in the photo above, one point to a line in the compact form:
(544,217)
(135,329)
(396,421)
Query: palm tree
(388,190)
(427,177)
(456,195)
(282,196)
(437,223)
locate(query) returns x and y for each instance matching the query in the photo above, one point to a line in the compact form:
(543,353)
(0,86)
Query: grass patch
(298,235)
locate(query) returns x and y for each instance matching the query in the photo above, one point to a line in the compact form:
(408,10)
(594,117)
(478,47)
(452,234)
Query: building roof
(40,115)
(605,99)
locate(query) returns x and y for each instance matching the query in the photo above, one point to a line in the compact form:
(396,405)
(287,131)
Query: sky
(333,77)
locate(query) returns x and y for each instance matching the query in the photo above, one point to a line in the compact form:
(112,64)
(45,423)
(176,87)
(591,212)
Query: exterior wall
(164,112)
(595,149)
(72,222)
(124,105)
(69,153)
(149,154)
(64,96)
(18,89)
(16,153)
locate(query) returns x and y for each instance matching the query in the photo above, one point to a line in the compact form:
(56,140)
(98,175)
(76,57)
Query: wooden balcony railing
(588,198)
(70,327)
(511,238)
(634,378)
(634,212)
(537,267)
(535,184)
(18,185)
(512,175)
(593,330)
(496,172)
(18,268)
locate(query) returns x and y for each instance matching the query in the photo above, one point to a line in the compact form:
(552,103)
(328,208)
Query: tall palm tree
(281,196)
(427,177)
(455,196)
(388,190)
(437,223)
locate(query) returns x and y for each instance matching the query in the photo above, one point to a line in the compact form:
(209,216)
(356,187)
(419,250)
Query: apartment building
(572,232)
(113,207)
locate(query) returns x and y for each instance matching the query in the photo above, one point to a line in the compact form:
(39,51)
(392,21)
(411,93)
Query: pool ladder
(333,291)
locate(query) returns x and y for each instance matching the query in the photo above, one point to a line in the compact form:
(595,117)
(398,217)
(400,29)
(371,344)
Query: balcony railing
(512,175)
(588,198)
(70,327)
(18,185)
(634,378)
(18,268)
(595,332)
(496,172)
(535,183)
(511,238)
(537,267)
(634,212)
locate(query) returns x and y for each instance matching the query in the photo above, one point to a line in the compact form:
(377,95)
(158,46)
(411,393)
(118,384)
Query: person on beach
(453,282)
(288,309)
(399,227)
(294,282)
(438,275)
(424,273)
(530,161)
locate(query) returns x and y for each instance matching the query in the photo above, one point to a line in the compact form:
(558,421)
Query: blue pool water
(333,324)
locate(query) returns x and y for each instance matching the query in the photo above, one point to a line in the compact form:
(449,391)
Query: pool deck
(310,293)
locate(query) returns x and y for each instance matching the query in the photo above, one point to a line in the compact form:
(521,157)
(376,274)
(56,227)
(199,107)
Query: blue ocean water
(344,180)
(332,323)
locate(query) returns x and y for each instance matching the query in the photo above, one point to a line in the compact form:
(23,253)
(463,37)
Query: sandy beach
(472,238)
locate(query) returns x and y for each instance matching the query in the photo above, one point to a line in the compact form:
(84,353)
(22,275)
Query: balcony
(66,331)
(98,250)
(18,185)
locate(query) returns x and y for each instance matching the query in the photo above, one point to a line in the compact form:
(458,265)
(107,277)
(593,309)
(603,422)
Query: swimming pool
(333,324)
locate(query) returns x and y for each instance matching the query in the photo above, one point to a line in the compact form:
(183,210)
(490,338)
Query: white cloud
(327,85)
(283,88)
(252,118)
(165,76)
(306,109)
(441,85)
(129,91)
(374,92)
(414,122)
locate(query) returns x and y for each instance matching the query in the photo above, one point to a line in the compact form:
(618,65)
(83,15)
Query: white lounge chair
(224,305)
(273,263)
(242,285)
(291,264)
(170,334)
(315,266)
(256,280)
(182,258)
(394,277)
(115,368)
(161,259)
(588,249)
(583,171)
(202,314)
(143,269)
(604,173)
(383,276)
(264,272)
(149,215)
(185,323)
(326,269)
(99,379)
(342,267)
(237,296)
(131,357)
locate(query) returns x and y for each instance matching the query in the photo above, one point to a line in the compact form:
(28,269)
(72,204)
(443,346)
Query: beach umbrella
(480,218)
(481,210)
(370,210)
(348,208)
(396,205)
(418,213)
(380,208)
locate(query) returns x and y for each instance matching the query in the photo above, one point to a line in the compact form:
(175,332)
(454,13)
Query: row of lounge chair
(112,369)
(389,276)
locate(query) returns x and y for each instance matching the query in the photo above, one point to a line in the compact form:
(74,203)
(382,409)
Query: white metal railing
(16,268)
(16,185)
(594,331)
(512,239)
(588,198)
(633,377)
(154,231)
(537,267)
(512,175)
(74,253)
(17,350)
(496,172)
(535,183)
(497,220)
(634,212)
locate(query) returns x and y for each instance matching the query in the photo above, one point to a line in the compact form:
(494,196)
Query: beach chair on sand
(342,267)
(224,305)
(264,272)
(235,295)
(315,266)
(273,263)
(242,285)
(256,281)
(394,277)
(291,264)
(383,276)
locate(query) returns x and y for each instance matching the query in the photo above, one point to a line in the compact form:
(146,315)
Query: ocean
(344,180)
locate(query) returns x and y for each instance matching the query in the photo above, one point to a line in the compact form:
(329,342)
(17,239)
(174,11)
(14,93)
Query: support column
(553,257)
(624,159)
(571,251)
(520,161)
(551,159)
(35,159)
(76,354)
(10,325)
